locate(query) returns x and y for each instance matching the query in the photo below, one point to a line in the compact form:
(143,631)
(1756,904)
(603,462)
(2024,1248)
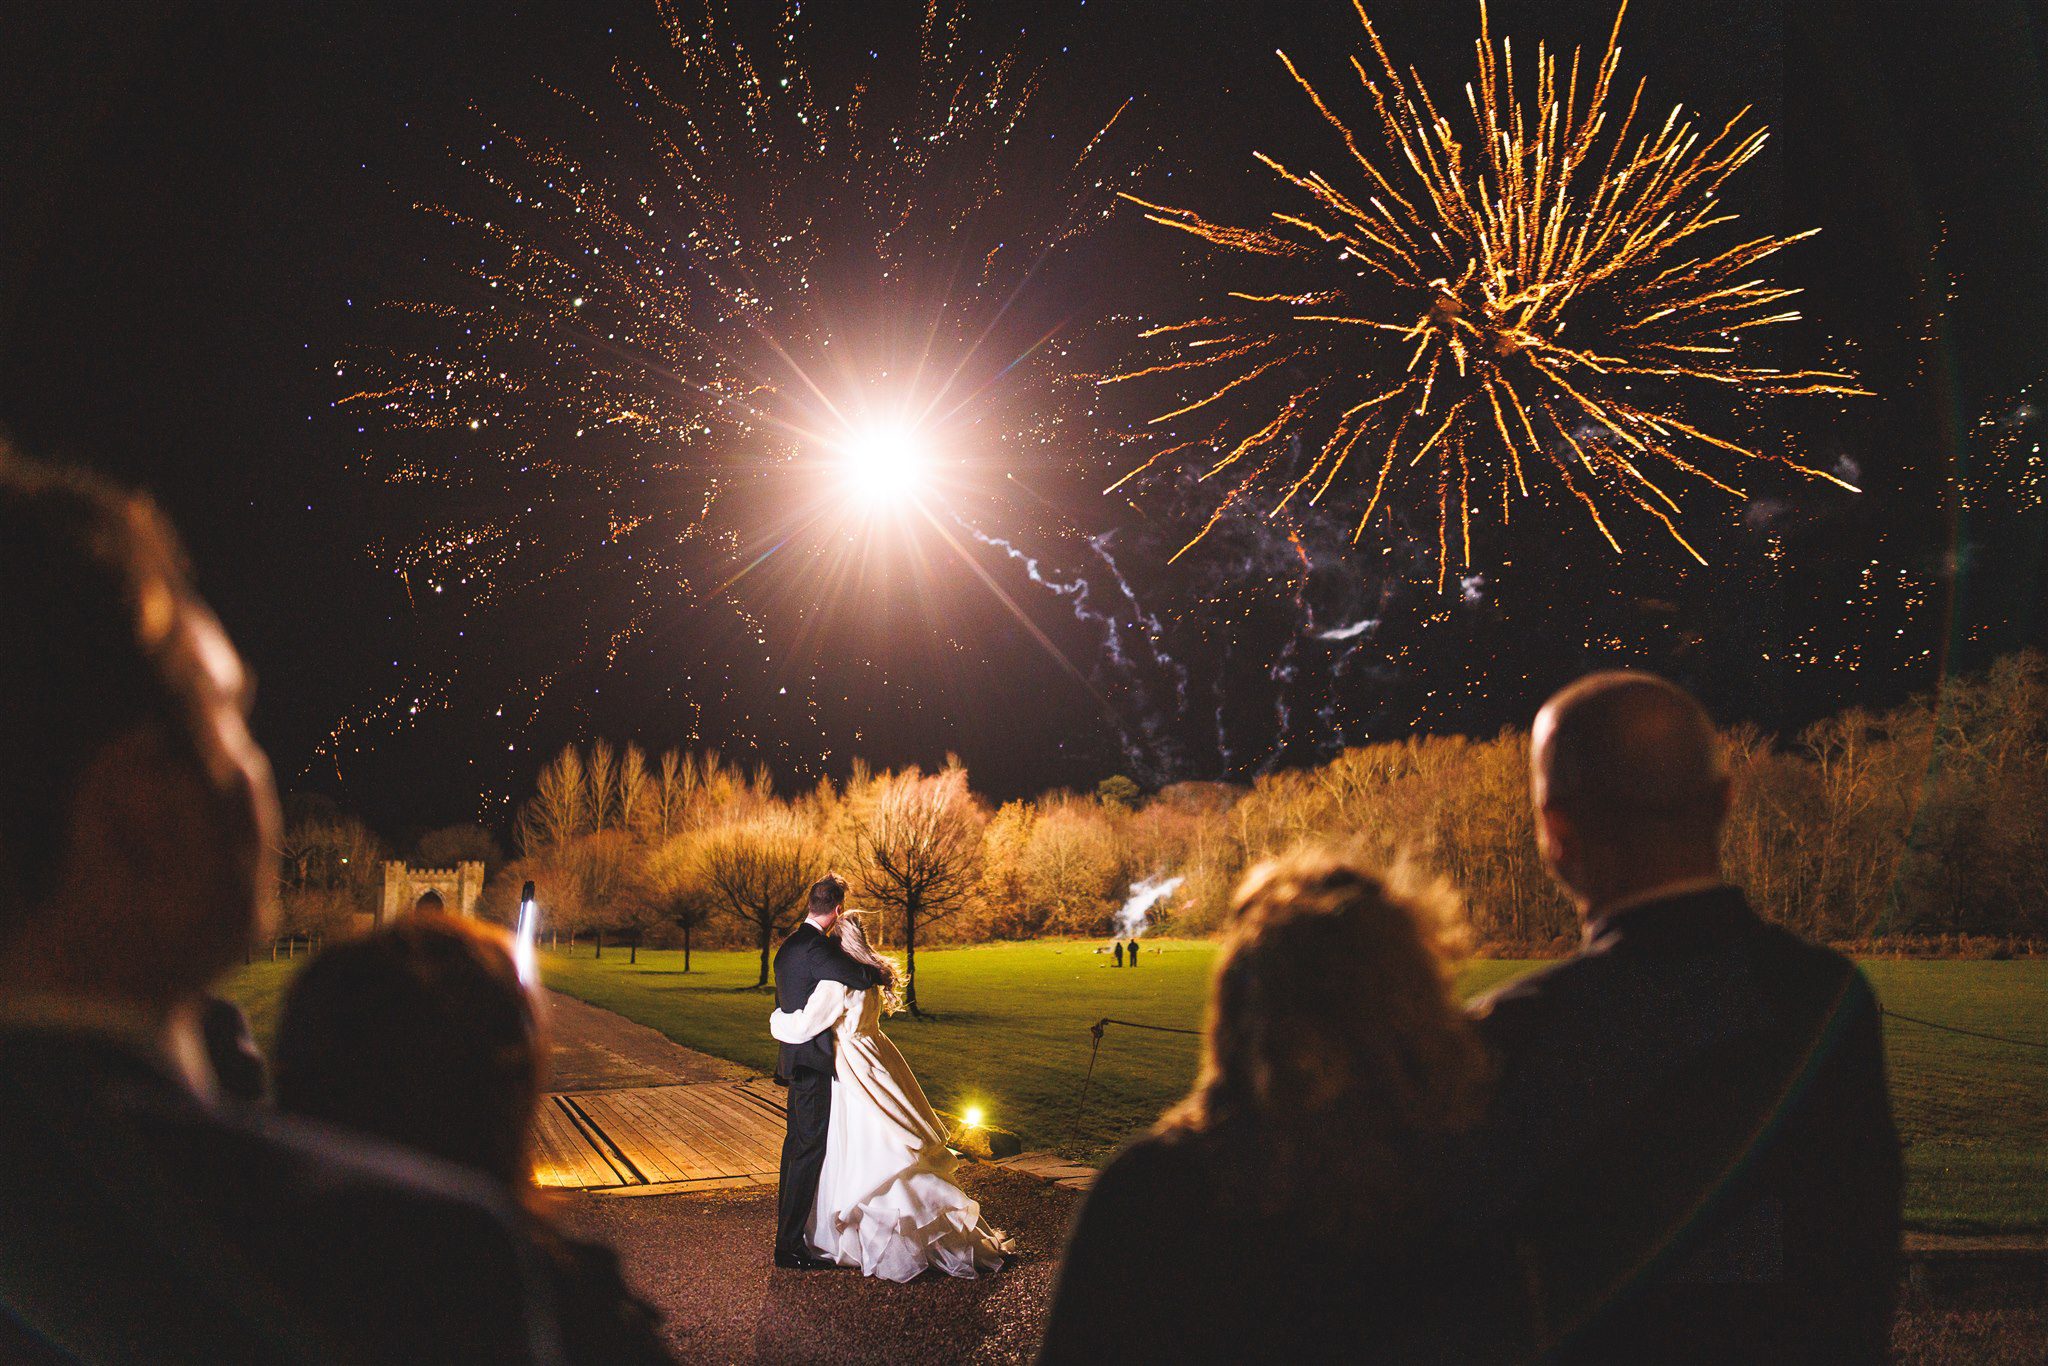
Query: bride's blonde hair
(853,937)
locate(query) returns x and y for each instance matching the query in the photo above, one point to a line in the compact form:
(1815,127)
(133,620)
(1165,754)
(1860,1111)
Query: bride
(884,1204)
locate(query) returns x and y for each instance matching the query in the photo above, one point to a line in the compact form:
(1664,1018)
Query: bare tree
(760,870)
(1070,869)
(920,855)
(672,889)
(560,809)
(600,783)
(631,791)
(330,869)
(452,844)
(669,789)
(602,866)
(330,854)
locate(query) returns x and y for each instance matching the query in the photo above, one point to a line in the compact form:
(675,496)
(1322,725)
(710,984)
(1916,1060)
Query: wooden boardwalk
(646,1139)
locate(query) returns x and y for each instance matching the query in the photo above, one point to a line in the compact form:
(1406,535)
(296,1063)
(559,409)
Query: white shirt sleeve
(820,1013)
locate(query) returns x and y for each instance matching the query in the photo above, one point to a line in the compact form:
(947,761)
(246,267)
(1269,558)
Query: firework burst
(1464,319)
(694,310)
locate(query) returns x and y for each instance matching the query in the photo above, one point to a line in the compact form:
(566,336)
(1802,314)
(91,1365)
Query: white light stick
(523,937)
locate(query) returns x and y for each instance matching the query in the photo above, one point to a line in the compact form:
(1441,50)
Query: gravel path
(703,1260)
(598,1050)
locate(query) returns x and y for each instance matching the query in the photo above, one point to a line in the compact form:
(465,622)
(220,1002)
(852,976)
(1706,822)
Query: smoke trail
(1156,632)
(1357,633)
(1326,615)
(1285,670)
(1135,917)
(1224,753)
(1153,753)
(1351,632)
(1282,674)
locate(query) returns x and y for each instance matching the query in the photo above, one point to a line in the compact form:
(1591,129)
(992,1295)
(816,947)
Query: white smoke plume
(1136,915)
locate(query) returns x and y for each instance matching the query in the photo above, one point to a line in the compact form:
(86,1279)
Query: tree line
(1928,819)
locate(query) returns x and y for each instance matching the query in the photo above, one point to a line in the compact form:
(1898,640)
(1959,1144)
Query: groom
(809,956)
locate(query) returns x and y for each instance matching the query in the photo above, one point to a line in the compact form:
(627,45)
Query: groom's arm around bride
(809,956)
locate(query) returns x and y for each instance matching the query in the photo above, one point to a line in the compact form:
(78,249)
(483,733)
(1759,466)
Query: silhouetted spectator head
(828,894)
(138,822)
(238,1067)
(1333,1035)
(1630,787)
(421,1034)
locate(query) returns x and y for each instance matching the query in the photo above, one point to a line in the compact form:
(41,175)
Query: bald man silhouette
(1691,1133)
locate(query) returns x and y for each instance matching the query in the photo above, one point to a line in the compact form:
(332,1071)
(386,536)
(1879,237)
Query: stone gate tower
(453,890)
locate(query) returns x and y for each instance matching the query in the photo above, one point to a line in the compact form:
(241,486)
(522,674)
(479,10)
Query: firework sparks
(1523,309)
(701,306)
(2008,472)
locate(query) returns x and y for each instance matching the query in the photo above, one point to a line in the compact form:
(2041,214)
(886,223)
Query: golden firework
(1540,293)
(725,310)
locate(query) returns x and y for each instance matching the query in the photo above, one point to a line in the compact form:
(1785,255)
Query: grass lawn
(1010,1033)
(259,990)
(1973,1113)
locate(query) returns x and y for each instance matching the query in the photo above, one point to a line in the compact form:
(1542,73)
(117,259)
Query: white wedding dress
(885,1204)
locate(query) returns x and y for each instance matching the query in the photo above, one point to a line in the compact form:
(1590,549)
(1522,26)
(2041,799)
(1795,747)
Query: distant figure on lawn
(1132,950)
(422,1034)
(1119,952)
(1308,1201)
(1691,1133)
(138,827)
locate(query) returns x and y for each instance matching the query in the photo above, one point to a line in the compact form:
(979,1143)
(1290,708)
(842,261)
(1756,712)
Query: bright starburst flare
(716,317)
(1461,315)
(885,466)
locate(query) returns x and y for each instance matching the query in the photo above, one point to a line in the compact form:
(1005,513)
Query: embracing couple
(865,1162)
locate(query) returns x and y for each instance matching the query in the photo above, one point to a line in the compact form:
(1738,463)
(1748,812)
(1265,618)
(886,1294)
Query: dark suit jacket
(138,1223)
(805,959)
(1693,1138)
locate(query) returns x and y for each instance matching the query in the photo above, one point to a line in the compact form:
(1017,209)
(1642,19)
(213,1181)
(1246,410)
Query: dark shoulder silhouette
(1216,1277)
(144,1225)
(1693,1137)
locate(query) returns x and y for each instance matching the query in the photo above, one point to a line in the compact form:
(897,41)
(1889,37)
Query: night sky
(200,204)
